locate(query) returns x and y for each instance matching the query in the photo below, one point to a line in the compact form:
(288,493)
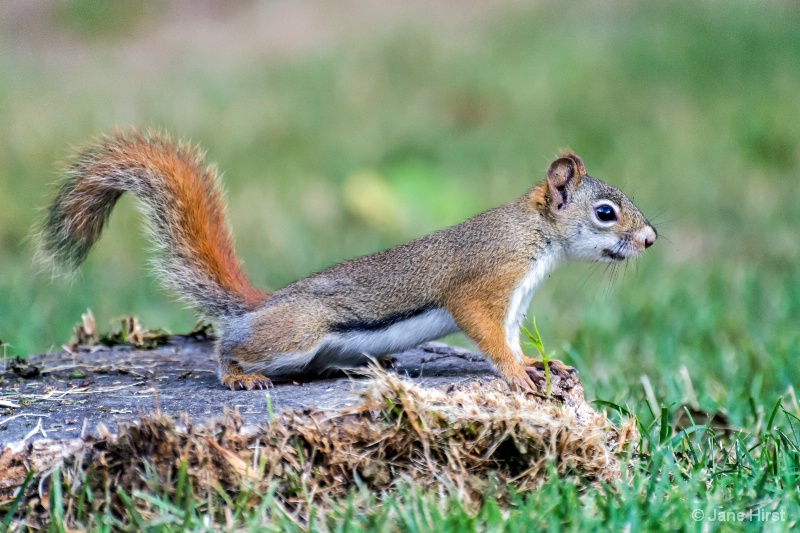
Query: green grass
(689,107)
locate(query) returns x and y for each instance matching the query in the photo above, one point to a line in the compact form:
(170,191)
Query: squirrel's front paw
(564,382)
(556,367)
(519,380)
(241,381)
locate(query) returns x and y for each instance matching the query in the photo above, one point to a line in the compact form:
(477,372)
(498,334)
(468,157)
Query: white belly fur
(342,350)
(521,299)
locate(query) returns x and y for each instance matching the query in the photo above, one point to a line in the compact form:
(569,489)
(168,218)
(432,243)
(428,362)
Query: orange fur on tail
(184,211)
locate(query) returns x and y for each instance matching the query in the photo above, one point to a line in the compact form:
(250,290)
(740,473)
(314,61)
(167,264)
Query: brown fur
(281,329)
(480,310)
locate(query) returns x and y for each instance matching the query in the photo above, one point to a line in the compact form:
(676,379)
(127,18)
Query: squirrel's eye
(605,213)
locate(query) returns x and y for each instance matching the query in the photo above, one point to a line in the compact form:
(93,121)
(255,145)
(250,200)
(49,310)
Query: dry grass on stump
(469,438)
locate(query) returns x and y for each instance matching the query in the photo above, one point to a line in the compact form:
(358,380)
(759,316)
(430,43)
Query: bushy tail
(183,208)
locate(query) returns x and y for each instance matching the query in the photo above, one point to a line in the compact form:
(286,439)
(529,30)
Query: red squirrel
(476,277)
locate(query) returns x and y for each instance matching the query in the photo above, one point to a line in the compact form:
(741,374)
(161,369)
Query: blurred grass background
(345,128)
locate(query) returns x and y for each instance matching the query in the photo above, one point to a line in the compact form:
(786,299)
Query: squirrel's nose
(649,236)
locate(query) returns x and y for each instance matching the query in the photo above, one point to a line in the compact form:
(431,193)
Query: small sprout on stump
(536,341)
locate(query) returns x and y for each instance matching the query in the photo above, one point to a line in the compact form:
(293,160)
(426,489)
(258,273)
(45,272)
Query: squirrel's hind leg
(275,339)
(235,333)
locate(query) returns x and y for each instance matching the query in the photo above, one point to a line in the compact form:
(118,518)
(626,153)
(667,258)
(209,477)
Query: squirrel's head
(596,221)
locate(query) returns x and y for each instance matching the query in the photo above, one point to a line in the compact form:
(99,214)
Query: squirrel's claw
(521,382)
(247,381)
(556,367)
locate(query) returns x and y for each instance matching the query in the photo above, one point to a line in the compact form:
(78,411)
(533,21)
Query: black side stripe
(381,323)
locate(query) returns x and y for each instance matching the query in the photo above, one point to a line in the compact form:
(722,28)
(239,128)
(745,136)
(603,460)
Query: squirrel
(476,277)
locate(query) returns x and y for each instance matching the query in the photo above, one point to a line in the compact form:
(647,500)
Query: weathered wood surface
(74,393)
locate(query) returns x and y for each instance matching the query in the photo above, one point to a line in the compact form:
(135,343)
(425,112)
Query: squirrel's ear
(577,160)
(563,173)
